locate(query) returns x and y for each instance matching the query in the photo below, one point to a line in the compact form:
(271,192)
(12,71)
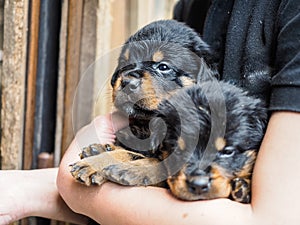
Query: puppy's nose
(199,182)
(199,185)
(130,84)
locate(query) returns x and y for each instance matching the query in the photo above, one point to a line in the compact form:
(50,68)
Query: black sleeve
(285,84)
(192,12)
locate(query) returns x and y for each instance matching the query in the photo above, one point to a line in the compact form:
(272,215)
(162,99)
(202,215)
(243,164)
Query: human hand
(100,131)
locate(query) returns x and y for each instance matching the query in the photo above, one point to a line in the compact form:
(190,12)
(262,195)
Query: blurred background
(56,57)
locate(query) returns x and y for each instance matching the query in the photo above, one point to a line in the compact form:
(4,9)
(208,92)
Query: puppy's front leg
(90,170)
(140,172)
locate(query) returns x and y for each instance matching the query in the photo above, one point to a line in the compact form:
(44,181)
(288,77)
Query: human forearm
(276,182)
(49,203)
(150,205)
(33,193)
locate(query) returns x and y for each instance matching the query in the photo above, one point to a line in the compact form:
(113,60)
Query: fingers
(102,125)
(98,131)
(118,121)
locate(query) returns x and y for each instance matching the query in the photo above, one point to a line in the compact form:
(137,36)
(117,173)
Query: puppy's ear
(208,67)
(201,48)
(114,77)
(206,72)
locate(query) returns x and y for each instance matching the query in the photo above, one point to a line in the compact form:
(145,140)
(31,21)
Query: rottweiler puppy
(187,131)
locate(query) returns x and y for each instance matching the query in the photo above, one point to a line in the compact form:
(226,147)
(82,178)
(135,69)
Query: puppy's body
(198,134)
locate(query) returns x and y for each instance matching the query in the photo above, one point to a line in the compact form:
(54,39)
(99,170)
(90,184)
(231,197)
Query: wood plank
(46,80)
(102,66)
(72,67)
(1,46)
(13,82)
(31,83)
(83,102)
(120,23)
(151,10)
(113,30)
(61,82)
(133,16)
(1,30)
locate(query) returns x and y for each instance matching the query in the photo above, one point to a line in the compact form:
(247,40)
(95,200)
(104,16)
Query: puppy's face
(149,72)
(159,59)
(194,182)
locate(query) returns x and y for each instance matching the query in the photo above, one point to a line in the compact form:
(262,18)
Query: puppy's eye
(163,67)
(227,152)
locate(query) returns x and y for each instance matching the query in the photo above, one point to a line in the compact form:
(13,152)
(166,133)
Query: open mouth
(137,110)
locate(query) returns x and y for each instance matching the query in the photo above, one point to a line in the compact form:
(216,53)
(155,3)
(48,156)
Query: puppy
(187,131)
(229,126)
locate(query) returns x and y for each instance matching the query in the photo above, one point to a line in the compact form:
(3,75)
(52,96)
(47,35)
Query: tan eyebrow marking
(126,54)
(158,56)
(186,81)
(220,143)
(181,143)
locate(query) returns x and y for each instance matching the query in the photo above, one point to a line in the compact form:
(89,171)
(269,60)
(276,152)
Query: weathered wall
(1,49)
(13,82)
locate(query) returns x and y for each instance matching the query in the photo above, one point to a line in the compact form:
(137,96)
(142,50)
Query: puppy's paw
(85,173)
(240,190)
(95,149)
(127,175)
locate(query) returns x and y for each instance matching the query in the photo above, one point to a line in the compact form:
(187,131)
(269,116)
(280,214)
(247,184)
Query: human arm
(33,193)
(275,187)
(276,181)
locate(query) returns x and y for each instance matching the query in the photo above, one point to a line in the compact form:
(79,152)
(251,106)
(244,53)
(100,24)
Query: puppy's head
(159,59)
(217,158)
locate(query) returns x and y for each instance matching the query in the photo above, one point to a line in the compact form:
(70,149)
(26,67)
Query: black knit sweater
(257,44)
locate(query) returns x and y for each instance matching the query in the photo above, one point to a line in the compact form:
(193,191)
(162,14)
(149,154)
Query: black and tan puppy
(186,129)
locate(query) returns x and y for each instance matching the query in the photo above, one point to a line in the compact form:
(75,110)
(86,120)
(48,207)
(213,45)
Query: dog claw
(91,150)
(108,147)
(95,149)
(84,173)
(96,179)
